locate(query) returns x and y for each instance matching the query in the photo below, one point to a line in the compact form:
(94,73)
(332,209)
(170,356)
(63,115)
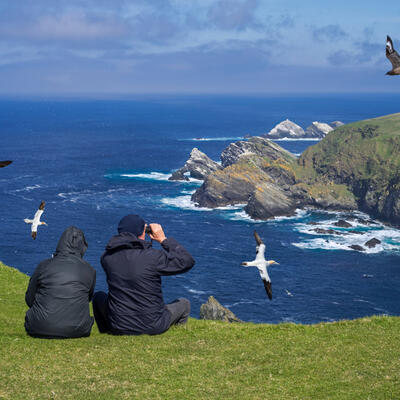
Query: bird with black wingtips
(5,163)
(262,264)
(393,57)
(36,220)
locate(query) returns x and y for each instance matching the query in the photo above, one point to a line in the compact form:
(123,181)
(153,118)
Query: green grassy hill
(365,156)
(205,360)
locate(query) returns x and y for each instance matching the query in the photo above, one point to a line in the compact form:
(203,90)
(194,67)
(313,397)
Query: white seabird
(261,263)
(36,220)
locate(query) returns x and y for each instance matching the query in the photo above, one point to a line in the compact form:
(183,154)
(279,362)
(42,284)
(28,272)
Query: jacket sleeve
(175,260)
(33,285)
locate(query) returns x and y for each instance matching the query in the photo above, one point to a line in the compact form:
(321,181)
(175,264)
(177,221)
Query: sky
(121,47)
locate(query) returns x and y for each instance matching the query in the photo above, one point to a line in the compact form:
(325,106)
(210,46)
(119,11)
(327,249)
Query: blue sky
(106,47)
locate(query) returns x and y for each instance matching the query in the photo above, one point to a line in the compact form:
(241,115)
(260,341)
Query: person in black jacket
(60,290)
(134,304)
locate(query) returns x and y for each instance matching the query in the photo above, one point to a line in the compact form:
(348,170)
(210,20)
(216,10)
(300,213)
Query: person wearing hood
(135,304)
(60,290)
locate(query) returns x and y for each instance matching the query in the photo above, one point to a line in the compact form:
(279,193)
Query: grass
(357,359)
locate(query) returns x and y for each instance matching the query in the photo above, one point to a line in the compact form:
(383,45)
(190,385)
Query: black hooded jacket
(134,270)
(59,291)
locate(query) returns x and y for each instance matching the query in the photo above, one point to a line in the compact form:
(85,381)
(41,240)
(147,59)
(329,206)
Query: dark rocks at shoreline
(199,166)
(342,224)
(357,247)
(213,310)
(372,243)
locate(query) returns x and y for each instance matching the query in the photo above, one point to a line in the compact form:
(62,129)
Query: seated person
(134,304)
(60,290)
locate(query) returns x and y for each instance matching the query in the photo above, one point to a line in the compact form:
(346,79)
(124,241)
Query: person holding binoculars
(134,304)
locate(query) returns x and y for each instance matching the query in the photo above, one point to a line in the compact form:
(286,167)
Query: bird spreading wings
(5,163)
(36,220)
(393,57)
(261,263)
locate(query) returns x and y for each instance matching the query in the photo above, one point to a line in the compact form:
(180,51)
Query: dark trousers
(100,311)
(179,310)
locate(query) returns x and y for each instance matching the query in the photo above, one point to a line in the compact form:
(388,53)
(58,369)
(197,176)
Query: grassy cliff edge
(357,359)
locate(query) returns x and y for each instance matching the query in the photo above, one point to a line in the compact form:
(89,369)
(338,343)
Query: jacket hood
(126,240)
(72,241)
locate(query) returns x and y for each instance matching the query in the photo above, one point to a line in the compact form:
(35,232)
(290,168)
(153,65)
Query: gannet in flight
(5,163)
(261,263)
(393,57)
(36,220)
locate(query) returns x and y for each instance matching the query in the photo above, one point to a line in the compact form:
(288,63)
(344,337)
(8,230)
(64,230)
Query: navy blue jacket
(134,270)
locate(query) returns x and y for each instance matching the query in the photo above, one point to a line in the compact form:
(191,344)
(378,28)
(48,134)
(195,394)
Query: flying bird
(393,57)
(36,220)
(5,163)
(261,263)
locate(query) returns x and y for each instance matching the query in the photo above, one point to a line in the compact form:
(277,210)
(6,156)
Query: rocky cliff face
(364,156)
(199,165)
(256,145)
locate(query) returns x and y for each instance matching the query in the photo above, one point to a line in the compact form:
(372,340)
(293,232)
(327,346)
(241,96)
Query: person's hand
(157,233)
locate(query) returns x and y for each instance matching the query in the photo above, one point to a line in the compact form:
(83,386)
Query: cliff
(356,166)
(364,156)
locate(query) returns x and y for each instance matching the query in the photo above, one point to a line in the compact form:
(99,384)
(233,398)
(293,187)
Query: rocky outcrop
(199,165)
(285,129)
(213,310)
(256,145)
(335,124)
(372,243)
(318,130)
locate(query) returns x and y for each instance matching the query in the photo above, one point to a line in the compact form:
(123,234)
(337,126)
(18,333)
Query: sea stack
(199,165)
(285,129)
(318,130)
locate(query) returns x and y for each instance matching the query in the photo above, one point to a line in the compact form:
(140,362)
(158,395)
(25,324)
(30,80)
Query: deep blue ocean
(95,161)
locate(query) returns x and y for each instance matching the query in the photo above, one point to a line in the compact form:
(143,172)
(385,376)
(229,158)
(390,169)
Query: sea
(94,161)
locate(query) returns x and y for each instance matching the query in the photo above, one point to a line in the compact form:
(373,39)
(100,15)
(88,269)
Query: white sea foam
(213,139)
(185,203)
(388,236)
(194,291)
(152,176)
(243,216)
(28,188)
(294,139)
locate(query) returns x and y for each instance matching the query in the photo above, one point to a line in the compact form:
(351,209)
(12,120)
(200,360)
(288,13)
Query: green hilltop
(364,156)
(357,359)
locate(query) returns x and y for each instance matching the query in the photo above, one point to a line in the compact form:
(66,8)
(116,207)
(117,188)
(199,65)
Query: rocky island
(355,167)
(289,130)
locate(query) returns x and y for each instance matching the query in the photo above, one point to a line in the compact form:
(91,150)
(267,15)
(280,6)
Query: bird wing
(268,288)
(392,54)
(260,252)
(258,239)
(5,163)
(37,216)
(34,233)
(28,221)
(42,204)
